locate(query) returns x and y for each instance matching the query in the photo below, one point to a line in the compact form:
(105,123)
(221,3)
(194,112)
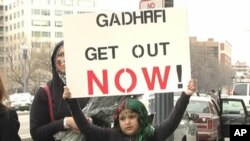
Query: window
(1,59)
(36,34)
(45,44)
(68,12)
(240,89)
(198,107)
(232,107)
(58,12)
(36,44)
(58,23)
(58,34)
(6,28)
(40,23)
(45,12)
(40,44)
(45,34)
(35,12)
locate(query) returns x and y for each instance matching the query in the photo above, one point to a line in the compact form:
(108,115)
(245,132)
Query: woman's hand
(66,93)
(72,125)
(191,88)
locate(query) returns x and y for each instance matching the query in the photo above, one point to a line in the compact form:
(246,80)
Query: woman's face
(60,61)
(128,121)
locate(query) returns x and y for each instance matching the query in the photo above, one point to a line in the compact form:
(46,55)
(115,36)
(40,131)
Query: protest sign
(127,52)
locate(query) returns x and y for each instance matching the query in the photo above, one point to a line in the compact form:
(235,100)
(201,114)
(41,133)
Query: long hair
(146,129)
(3,93)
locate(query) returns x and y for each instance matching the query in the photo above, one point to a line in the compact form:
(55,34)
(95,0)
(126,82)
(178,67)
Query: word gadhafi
(128,18)
(138,51)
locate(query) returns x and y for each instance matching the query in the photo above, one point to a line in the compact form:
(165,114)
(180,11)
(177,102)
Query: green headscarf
(146,129)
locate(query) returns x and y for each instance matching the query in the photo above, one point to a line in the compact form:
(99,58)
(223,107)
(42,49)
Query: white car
(21,101)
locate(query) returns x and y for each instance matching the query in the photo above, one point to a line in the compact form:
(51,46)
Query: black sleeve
(14,126)
(91,131)
(167,127)
(41,127)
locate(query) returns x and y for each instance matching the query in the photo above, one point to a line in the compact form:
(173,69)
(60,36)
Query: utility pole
(164,101)
(25,57)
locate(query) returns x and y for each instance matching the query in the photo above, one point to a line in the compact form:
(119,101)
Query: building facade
(241,72)
(27,25)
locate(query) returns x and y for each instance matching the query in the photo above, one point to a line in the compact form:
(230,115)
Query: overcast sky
(219,19)
(222,20)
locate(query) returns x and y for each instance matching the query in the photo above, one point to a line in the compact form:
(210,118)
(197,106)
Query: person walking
(9,123)
(42,127)
(131,121)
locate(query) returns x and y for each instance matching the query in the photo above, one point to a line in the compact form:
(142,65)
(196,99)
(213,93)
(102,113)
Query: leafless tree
(208,72)
(38,68)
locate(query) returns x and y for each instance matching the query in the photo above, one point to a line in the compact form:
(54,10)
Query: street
(24,132)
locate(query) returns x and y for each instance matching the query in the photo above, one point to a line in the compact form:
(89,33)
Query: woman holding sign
(48,118)
(131,121)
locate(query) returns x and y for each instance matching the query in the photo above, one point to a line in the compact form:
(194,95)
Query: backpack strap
(46,87)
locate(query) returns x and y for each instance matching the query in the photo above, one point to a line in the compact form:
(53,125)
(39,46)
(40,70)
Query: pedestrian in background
(9,123)
(42,128)
(131,121)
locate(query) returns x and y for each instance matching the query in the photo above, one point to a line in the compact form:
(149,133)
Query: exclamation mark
(179,74)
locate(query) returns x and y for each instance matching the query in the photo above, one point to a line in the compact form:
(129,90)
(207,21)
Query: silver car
(21,101)
(187,130)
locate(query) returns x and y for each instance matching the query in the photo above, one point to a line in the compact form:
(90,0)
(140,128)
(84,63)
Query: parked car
(233,112)
(21,101)
(208,123)
(187,129)
(241,90)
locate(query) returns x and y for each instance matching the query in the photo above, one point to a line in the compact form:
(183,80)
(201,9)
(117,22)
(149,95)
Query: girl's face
(60,62)
(128,121)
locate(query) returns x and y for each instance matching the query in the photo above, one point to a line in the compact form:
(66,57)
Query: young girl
(131,121)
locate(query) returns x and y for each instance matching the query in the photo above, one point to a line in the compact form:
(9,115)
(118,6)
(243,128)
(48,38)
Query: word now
(150,80)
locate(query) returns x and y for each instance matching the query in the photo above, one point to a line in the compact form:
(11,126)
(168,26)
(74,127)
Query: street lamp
(25,57)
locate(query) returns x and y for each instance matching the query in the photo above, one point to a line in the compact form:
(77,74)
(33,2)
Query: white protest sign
(130,52)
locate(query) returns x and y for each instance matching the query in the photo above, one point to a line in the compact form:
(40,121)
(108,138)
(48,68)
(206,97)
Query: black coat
(41,127)
(9,124)
(162,130)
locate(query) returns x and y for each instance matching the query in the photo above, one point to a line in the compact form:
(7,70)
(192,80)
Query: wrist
(65,124)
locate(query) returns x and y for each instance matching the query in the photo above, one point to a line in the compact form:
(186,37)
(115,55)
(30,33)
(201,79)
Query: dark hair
(146,129)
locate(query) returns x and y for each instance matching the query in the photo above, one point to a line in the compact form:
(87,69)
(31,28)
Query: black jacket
(41,127)
(9,124)
(162,131)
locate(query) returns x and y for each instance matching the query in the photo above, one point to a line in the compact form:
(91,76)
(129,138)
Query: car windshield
(20,97)
(198,107)
(232,107)
(240,89)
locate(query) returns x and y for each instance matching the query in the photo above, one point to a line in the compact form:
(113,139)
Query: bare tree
(208,72)
(38,69)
